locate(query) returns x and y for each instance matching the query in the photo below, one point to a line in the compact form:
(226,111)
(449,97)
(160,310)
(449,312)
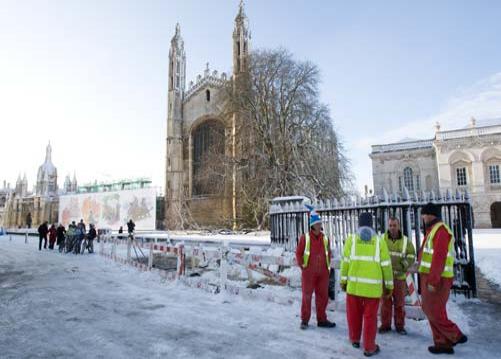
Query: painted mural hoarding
(110,209)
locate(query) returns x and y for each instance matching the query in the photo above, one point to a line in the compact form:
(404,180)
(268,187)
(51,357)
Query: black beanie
(431,208)
(365,220)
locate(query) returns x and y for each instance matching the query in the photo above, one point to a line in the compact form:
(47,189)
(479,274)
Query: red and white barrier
(265,259)
(142,266)
(412,290)
(266,272)
(223,253)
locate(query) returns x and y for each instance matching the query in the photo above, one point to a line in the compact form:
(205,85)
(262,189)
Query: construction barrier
(411,287)
(120,251)
(226,256)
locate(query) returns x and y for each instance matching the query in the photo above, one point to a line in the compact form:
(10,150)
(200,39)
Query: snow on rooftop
(479,127)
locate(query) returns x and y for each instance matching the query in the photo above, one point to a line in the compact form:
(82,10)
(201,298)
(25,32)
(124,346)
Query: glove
(404,263)
(343,287)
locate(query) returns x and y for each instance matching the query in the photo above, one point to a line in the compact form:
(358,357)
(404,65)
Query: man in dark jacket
(29,221)
(82,225)
(80,236)
(91,236)
(60,234)
(43,229)
(130,226)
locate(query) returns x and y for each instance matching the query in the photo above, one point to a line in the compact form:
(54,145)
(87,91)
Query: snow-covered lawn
(487,244)
(66,306)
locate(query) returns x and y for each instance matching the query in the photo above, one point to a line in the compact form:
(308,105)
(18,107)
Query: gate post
(223,270)
(129,245)
(247,269)
(101,246)
(150,257)
(180,261)
(471,251)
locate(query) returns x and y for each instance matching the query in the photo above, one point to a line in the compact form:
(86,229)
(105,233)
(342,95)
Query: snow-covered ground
(64,306)
(487,243)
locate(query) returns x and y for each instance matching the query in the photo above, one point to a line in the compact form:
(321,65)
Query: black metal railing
(289,219)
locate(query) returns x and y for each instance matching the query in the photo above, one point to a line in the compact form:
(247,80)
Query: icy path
(487,244)
(65,306)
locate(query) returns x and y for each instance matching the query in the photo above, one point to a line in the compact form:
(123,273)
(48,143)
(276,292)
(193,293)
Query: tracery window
(208,161)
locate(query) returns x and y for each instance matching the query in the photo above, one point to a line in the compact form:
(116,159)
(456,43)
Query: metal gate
(289,219)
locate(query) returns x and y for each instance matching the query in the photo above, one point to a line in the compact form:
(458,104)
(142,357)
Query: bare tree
(286,140)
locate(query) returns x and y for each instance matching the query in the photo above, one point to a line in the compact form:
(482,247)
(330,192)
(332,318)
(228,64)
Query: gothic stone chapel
(199,188)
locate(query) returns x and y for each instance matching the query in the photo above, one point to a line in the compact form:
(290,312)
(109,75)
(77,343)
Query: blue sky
(91,76)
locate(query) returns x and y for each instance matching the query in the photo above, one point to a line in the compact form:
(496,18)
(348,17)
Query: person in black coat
(29,221)
(130,226)
(91,236)
(60,234)
(43,229)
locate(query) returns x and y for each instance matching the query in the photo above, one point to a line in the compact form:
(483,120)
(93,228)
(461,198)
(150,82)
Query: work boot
(355,345)
(402,331)
(383,330)
(326,324)
(461,340)
(369,354)
(440,350)
(304,325)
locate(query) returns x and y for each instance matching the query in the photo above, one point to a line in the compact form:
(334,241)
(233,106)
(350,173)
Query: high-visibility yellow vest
(400,249)
(427,255)
(366,267)
(306,254)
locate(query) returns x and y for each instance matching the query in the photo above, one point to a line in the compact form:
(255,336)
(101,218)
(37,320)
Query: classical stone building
(23,208)
(462,159)
(196,128)
(5,192)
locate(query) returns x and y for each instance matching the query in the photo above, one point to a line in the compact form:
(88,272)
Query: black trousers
(40,242)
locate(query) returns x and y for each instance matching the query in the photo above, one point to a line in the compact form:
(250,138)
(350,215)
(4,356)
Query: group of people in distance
(75,239)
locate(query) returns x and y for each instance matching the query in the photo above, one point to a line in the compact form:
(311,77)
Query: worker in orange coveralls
(313,256)
(436,269)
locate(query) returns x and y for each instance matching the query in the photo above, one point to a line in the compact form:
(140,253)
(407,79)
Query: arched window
(208,161)
(207,95)
(428,183)
(408,179)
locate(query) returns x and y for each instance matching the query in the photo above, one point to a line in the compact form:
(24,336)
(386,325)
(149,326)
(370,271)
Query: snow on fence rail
(289,219)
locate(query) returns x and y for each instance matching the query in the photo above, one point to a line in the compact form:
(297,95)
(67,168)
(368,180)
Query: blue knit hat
(314,216)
